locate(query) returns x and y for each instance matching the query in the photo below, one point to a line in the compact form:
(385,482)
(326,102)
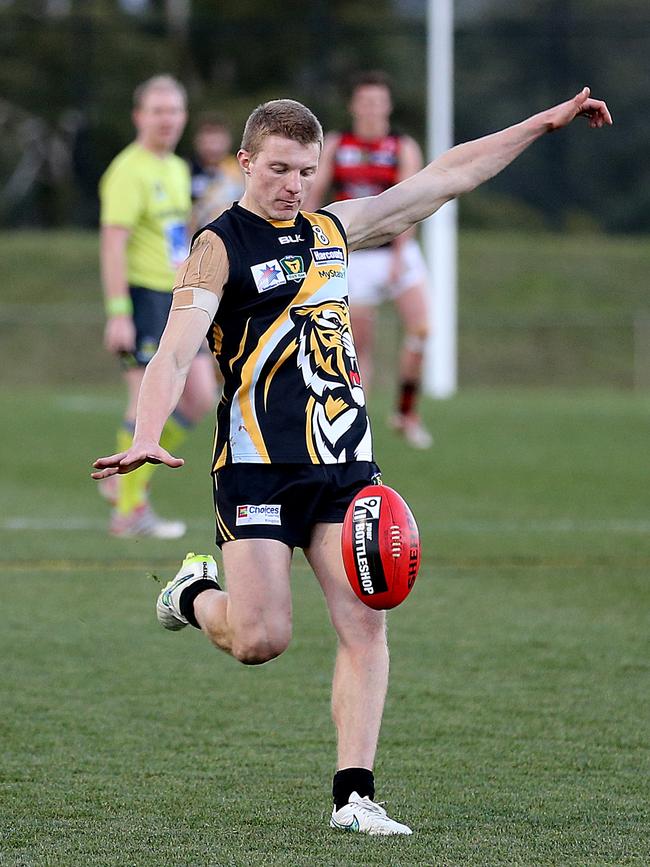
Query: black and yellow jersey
(282,338)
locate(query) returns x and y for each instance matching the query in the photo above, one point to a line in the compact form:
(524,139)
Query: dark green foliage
(74,75)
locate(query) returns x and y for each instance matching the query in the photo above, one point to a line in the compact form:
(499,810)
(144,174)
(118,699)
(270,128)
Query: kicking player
(365,161)
(268,283)
(145,205)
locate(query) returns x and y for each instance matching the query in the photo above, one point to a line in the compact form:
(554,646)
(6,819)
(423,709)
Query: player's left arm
(378,219)
(410,161)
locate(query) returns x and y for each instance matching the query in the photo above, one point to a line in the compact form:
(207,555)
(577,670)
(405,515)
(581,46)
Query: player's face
(212,144)
(279,176)
(371,103)
(160,119)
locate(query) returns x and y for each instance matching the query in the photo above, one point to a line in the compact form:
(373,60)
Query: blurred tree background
(69,68)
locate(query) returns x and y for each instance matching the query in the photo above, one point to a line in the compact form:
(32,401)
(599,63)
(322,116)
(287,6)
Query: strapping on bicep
(195,298)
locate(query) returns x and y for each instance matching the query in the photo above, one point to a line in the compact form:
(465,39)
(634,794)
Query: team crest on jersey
(268,275)
(294,267)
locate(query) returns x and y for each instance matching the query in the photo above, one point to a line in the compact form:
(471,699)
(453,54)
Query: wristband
(118,305)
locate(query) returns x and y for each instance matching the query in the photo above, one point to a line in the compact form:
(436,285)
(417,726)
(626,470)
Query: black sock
(186,602)
(407,397)
(348,780)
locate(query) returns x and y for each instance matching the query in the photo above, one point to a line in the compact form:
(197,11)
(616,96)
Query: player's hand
(136,456)
(582,105)
(119,334)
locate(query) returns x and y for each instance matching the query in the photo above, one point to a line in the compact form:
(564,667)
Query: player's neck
(373,129)
(160,152)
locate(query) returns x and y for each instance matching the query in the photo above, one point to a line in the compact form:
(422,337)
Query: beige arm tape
(190,297)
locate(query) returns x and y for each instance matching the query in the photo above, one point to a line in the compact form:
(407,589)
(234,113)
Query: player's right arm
(325,175)
(119,334)
(197,292)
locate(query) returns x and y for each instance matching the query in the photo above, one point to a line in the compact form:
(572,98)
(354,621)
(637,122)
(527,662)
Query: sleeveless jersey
(365,168)
(282,338)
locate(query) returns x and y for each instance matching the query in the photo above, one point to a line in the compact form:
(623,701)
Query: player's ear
(244,159)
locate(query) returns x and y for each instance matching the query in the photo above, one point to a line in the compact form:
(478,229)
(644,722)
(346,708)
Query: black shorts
(285,501)
(150,312)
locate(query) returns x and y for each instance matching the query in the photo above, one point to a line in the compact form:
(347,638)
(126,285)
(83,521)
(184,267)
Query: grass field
(516,727)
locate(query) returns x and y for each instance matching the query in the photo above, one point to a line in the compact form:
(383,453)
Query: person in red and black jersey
(366,161)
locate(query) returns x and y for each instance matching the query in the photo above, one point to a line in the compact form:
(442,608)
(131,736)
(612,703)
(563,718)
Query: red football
(381,547)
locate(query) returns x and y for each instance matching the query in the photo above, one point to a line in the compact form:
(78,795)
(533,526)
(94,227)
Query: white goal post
(440,231)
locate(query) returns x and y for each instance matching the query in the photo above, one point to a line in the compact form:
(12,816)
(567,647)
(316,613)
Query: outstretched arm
(378,219)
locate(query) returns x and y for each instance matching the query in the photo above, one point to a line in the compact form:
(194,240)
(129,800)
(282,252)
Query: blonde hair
(157,82)
(283,117)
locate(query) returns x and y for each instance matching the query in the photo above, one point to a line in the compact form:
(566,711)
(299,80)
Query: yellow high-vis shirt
(150,196)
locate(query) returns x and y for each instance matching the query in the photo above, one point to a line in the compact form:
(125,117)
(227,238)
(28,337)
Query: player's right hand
(136,456)
(119,334)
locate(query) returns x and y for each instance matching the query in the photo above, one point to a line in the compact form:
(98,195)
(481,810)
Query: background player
(293,443)
(217,179)
(365,161)
(145,205)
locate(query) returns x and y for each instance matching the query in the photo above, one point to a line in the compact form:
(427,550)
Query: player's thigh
(410,293)
(257,575)
(353,621)
(367,276)
(362,320)
(412,308)
(200,392)
(133,377)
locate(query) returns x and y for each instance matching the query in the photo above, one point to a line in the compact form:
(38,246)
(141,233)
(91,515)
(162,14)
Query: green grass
(516,724)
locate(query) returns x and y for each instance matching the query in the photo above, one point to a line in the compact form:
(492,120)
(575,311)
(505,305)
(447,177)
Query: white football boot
(412,429)
(143,521)
(366,817)
(194,568)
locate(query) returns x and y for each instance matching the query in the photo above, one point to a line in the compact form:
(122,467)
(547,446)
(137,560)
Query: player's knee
(262,645)
(416,336)
(202,399)
(205,402)
(363,630)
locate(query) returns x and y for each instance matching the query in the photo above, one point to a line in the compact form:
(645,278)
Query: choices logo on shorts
(263,514)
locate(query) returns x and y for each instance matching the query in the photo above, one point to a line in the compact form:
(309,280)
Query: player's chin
(286,210)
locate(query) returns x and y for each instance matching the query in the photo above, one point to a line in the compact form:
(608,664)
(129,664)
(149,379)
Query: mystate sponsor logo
(332,273)
(263,514)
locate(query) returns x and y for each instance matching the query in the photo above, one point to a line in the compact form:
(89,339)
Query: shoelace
(371,806)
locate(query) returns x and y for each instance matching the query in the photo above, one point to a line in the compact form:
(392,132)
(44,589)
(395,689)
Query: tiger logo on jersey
(328,362)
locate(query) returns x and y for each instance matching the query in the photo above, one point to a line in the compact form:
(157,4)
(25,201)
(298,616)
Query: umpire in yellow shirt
(145,206)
